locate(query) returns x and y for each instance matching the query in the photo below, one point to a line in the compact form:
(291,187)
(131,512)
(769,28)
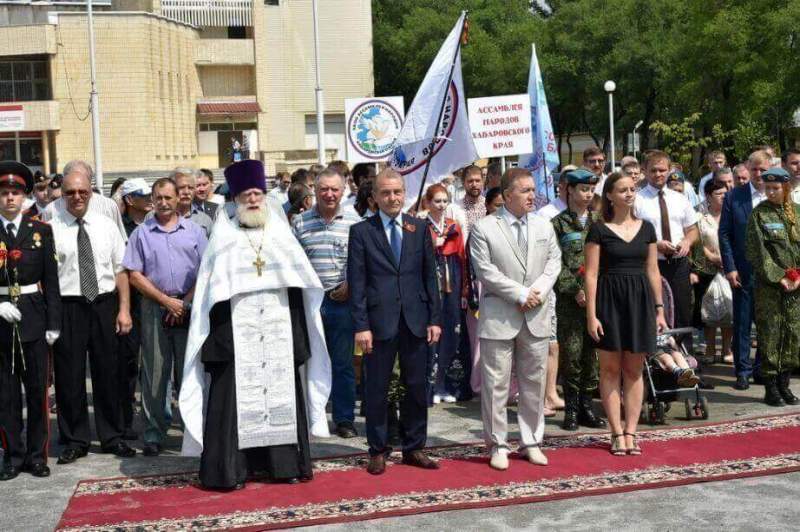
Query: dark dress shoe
(742,383)
(37,470)
(70,454)
(419,459)
(151,449)
(346,429)
(377,464)
(121,449)
(8,472)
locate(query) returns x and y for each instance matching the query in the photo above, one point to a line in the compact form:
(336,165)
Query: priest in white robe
(257,374)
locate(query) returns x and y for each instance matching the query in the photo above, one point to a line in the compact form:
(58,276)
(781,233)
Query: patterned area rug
(343,491)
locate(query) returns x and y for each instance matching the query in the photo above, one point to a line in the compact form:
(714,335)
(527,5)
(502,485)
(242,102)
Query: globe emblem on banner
(412,156)
(373,127)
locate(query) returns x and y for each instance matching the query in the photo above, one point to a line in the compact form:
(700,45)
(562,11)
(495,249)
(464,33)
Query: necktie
(666,234)
(88,275)
(522,242)
(394,241)
(10,229)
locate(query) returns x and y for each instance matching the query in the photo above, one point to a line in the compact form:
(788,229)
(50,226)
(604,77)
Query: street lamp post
(95,104)
(635,141)
(318,90)
(610,87)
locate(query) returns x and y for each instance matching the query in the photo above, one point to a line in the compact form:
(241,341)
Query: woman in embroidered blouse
(451,271)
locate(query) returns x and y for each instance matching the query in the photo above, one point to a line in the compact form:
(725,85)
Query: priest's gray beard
(252,218)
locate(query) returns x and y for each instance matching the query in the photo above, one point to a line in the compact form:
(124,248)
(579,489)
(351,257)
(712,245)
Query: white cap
(136,185)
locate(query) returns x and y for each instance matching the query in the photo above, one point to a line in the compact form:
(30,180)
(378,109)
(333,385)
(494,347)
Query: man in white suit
(517,259)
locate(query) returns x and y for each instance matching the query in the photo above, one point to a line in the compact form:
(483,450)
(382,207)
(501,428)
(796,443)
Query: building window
(272,2)
(237,32)
(22,81)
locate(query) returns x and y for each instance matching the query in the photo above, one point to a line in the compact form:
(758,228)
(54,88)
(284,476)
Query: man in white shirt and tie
(95,309)
(675,222)
(517,260)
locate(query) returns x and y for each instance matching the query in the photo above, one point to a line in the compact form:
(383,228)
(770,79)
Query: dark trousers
(34,378)
(88,327)
(676,273)
(743,314)
(129,346)
(413,355)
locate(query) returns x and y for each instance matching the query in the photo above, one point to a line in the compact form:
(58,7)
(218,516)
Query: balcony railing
(221,13)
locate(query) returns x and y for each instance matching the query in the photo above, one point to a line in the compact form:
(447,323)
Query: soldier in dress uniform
(577,361)
(41,194)
(30,308)
(772,245)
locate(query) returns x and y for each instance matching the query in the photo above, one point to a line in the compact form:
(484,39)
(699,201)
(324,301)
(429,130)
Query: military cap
(581,176)
(676,176)
(775,175)
(39,178)
(17,175)
(55,180)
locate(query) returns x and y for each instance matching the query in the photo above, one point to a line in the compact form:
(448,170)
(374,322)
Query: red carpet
(343,491)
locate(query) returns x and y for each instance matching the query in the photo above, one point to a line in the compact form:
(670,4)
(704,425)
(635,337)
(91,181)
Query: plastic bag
(717,306)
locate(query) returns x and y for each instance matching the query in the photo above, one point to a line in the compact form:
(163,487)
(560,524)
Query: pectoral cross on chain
(258,263)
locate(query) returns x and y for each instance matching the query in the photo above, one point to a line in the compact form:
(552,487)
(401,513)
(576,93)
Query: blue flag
(544,159)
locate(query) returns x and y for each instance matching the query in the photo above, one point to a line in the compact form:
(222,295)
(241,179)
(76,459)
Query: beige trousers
(529,355)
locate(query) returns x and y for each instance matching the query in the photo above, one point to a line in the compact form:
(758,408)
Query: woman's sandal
(616,450)
(635,450)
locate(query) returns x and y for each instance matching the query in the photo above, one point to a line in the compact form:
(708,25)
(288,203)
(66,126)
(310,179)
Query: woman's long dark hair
(607,209)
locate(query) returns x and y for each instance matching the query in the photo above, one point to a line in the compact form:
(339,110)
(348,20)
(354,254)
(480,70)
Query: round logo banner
(372,126)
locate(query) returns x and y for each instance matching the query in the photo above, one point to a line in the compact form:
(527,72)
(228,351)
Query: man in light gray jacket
(517,260)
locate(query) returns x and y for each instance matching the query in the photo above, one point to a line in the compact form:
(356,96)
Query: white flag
(453,147)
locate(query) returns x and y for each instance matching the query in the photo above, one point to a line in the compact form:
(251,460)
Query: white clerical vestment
(232,269)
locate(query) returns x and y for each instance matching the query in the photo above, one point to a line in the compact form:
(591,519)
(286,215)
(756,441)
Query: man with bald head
(95,309)
(394,302)
(97,203)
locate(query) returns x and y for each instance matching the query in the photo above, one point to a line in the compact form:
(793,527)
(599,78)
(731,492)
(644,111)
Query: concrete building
(179,81)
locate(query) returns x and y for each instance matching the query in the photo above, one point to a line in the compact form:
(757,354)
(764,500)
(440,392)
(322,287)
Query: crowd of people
(243,313)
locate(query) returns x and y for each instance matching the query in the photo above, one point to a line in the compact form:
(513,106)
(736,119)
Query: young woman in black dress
(623,305)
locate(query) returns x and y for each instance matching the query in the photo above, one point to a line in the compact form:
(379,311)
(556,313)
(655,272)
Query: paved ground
(749,504)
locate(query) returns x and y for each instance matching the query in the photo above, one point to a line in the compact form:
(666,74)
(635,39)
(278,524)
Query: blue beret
(581,176)
(775,175)
(245,175)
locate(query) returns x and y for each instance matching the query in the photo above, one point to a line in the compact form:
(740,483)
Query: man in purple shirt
(163,258)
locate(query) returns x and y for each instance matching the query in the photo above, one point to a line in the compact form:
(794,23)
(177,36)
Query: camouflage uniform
(577,358)
(772,247)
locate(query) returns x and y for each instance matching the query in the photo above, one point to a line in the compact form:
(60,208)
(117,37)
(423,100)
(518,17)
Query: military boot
(570,411)
(772,396)
(586,415)
(783,388)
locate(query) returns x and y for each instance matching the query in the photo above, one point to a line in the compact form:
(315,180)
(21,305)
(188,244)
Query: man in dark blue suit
(736,210)
(395,305)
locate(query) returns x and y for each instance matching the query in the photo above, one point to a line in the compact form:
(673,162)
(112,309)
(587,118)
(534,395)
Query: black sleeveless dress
(625,304)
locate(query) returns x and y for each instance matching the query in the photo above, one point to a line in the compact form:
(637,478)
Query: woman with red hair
(448,240)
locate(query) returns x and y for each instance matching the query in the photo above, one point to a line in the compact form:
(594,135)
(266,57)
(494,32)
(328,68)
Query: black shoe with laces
(742,382)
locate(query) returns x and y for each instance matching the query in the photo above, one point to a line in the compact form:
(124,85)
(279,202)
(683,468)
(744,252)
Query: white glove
(51,336)
(9,312)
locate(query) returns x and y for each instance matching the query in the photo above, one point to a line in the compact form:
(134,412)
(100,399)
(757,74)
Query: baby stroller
(661,385)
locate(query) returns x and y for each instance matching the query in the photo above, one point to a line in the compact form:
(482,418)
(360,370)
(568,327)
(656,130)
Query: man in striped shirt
(323,232)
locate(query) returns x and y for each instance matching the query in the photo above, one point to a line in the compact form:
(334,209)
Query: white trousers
(528,354)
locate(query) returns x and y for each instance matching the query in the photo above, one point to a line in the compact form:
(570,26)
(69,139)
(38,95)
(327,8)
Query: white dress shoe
(448,398)
(499,459)
(535,456)
(437,399)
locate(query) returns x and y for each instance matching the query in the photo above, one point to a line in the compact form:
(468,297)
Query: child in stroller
(671,370)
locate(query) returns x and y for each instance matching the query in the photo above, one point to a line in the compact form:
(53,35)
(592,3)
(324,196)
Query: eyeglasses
(595,161)
(81,193)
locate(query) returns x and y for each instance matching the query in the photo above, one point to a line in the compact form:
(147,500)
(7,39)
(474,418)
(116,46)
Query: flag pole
(441,111)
